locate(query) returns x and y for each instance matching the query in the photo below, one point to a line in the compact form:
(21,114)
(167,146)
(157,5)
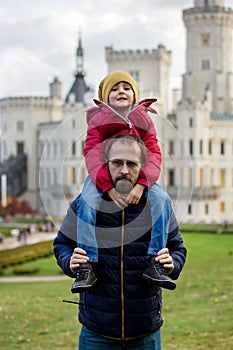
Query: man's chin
(124,186)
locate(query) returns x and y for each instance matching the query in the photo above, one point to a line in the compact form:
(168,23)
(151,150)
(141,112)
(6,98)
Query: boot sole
(160,283)
(82,289)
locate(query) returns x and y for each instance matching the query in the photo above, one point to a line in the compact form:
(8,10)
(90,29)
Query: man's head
(125,156)
(113,79)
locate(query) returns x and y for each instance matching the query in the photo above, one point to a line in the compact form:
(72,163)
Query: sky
(39,39)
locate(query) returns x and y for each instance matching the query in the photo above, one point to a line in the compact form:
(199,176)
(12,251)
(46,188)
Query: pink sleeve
(151,171)
(94,157)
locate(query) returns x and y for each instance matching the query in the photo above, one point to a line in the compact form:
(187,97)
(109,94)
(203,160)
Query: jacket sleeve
(94,157)
(176,247)
(65,241)
(151,171)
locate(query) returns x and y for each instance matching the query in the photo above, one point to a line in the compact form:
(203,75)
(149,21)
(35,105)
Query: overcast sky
(39,38)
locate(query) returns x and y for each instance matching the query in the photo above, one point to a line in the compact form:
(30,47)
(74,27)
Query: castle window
(190,177)
(20,125)
(222,178)
(171,147)
(190,209)
(201,177)
(48,178)
(222,147)
(190,122)
(205,64)
(83,144)
(171,178)
(222,207)
(191,147)
(201,146)
(73,148)
(55,182)
(205,39)
(73,175)
(210,146)
(19,148)
(206,209)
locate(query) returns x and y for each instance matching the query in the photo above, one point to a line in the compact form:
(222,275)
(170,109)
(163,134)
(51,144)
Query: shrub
(25,253)
(25,271)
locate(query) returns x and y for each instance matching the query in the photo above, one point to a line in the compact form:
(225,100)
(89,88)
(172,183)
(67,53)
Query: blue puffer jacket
(120,305)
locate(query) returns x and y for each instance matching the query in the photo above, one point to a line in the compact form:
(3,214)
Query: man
(121,310)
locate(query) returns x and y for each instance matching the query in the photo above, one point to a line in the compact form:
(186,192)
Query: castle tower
(209,55)
(79,88)
(150,69)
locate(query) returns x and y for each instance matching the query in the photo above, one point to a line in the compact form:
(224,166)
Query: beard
(123,186)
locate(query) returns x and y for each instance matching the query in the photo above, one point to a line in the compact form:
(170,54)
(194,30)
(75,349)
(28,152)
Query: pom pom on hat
(111,80)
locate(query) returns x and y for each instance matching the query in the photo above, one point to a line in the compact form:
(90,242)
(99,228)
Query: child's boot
(157,274)
(85,278)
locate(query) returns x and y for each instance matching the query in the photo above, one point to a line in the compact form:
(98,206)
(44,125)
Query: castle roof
(215,116)
(79,87)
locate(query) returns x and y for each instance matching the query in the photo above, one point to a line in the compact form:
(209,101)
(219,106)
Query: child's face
(121,96)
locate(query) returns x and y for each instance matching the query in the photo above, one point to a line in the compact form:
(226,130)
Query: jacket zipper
(126,119)
(122,277)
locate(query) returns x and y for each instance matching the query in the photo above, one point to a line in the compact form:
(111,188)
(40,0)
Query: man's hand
(165,258)
(78,257)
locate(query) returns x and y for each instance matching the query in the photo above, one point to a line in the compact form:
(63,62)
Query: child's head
(106,85)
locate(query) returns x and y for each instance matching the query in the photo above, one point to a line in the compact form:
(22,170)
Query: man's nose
(124,168)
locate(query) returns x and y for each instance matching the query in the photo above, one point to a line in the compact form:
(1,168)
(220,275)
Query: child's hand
(134,196)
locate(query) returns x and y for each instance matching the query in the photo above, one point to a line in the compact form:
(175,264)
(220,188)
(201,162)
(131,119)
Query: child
(118,112)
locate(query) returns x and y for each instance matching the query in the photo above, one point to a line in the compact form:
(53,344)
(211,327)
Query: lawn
(197,315)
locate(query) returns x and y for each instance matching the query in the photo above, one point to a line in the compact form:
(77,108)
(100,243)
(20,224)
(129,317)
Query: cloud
(39,39)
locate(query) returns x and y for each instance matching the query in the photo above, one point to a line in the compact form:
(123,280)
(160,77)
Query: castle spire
(79,57)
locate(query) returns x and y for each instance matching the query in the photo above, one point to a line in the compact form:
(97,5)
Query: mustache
(123,185)
(122,177)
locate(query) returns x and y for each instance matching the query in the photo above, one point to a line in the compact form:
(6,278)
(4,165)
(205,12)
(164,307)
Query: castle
(195,137)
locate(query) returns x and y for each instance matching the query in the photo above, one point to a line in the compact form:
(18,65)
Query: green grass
(197,315)
(33,316)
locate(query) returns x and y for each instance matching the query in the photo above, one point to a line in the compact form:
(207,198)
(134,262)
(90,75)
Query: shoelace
(82,274)
(159,267)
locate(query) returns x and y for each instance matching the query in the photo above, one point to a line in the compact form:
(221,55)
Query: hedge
(25,253)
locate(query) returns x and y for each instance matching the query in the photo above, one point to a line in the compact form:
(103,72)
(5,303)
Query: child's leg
(160,204)
(87,207)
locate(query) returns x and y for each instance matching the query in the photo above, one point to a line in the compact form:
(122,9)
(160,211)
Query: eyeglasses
(119,163)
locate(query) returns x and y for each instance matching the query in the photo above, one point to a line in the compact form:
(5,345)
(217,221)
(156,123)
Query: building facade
(195,138)
(202,181)
(20,117)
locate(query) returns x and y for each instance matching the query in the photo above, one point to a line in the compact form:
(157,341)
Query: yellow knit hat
(111,80)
